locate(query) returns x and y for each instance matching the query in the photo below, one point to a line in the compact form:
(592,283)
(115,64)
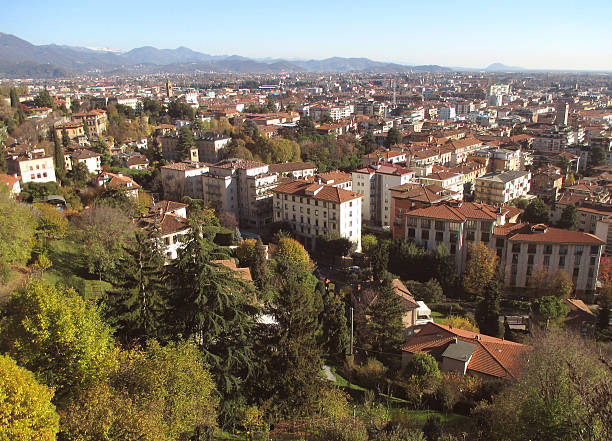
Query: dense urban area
(405,256)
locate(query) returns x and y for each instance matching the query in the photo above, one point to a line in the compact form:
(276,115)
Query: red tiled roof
(493,356)
(299,187)
(544,234)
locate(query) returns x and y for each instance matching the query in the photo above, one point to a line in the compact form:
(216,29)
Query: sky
(535,34)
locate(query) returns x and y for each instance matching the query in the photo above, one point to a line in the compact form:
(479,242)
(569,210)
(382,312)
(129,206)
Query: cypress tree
(58,153)
(488,311)
(334,328)
(138,306)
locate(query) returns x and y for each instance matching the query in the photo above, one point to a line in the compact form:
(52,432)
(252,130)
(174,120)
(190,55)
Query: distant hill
(499,67)
(19,58)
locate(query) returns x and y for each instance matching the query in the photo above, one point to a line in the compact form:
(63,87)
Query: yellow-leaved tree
(479,268)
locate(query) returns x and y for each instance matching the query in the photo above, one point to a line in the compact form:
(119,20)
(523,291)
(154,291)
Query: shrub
(371,375)
(345,429)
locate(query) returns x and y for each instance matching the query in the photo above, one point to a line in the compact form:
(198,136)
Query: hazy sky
(561,34)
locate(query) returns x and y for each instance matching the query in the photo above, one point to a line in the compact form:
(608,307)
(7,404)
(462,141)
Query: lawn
(68,267)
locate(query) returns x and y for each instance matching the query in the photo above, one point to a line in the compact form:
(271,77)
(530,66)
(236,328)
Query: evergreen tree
(58,154)
(65,138)
(185,142)
(214,307)
(137,307)
(291,372)
(14,97)
(488,310)
(569,218)
(259,266)
(386,315)
(44,99)
(334,335)
(394,136)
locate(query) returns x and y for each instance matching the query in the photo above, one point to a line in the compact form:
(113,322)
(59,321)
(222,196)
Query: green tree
(290,376)
(57,335)
(488,311)
(569,218)
(479,268)
(14,96)
(44,99)
(185,142)
(386,318)
(598,156)
(58,156)
(137,307)
(250,129)
(429,291)
(536,212)
(368,143)
(394,137)
(65,138)
(80,174)
(334,334)
(52,224)
(333,246)
(293,251)
(549,311)
(368,243)
(165,393)
(424,368)
(380,259)
(213,306)
(17,229)
(26,411)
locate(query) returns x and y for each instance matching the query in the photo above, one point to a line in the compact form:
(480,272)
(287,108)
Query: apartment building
(375,182)
(448,180)
(390,156)
(502,187)
(96,121)
(33,166)
(206,149)
(242,188)
(535,246)
(73,129)
(181,179)
(314,209)
(293,169)
(334,112)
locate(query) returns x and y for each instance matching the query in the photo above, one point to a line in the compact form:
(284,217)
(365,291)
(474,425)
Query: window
(577,260)
(439,236)
(499,243)
(411,221)
(575,273)
(425,223)
(453,248)
(530,259)
(484,237)
(579,250)
(425,234)
(547,249)
(561,261)
(453,237)
(470,235)
(439,225)
(594,249)
(516,247)
(531,248)
(546,260)
(562,250)
(411,232)
(593,260)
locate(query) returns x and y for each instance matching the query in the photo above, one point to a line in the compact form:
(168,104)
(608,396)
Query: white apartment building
(502,187)
(314,209)
(334,112)
(32,167)
(375,182)
(91,160)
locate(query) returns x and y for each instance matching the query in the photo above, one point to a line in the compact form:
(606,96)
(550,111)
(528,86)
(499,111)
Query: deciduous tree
(488,311)
(536,212)
(479,269)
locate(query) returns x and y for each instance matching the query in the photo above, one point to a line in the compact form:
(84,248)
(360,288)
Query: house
(96,121)
(117,181)
(181,179)
(32,166)
(73,129)
(171,229)
(294,170)
(502,187)
(92,160)
(12,183)
(135,161)
(169,207)
(469,353)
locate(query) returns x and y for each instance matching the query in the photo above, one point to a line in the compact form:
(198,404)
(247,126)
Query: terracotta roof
(544,234)
(168,206)
(244,273)
(8,180)
(287,167)
(493,356)
(336,177)
(300,187)
(183,166)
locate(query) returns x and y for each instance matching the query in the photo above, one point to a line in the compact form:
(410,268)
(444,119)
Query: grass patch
(69,268)
(17,280)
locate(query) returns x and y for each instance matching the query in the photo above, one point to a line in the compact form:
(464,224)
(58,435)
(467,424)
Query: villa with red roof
(457,350)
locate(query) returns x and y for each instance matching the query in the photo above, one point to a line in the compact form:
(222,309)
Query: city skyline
(531,36)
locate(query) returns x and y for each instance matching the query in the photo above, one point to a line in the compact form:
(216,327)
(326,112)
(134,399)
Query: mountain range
(19,58)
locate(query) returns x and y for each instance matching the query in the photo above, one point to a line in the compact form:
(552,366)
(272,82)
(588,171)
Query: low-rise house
(32,166)
(580,317)
(135,161)
(92,160)
(12,183)
(117,181)
(294,170)
(457,350)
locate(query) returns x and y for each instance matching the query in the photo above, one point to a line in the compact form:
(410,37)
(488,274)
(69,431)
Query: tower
(562,110)
(168,89)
